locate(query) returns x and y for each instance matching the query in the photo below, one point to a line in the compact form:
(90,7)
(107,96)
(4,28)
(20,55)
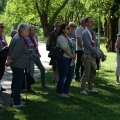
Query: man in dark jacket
(53,39)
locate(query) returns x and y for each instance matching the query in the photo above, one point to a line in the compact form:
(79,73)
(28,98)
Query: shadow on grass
(45,104)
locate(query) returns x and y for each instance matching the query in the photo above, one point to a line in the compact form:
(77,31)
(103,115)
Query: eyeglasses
(67,28)
(73,26)
(58,26)
(2,26)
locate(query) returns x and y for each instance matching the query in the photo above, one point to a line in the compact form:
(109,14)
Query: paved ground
(6,81)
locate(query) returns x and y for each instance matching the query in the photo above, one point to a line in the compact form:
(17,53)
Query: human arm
(87,44)
(118,42)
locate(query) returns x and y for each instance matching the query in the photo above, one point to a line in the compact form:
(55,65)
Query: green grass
(44,104)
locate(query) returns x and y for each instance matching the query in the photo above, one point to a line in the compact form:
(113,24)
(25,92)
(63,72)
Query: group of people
(78,43)
(22,55)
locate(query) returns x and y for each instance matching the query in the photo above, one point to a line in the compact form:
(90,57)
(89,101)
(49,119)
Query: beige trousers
(89,71)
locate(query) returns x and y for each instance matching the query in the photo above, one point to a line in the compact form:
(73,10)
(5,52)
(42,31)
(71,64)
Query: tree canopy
(45,12)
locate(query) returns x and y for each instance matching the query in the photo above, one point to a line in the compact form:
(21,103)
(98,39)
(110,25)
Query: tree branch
(58,10)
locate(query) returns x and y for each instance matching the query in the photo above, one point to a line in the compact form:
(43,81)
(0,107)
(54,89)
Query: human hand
(98,55)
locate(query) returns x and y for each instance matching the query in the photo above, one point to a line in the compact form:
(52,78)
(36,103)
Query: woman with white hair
(18,60)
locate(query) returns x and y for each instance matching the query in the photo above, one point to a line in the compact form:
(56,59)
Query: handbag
(55,52)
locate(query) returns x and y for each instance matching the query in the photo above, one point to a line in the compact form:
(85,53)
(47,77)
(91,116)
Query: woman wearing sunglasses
(3,43)
(65,65)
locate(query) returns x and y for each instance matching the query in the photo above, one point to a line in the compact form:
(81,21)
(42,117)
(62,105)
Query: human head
(82,22)
(57,25)
(23,29)
(32,30)
(64,29)
(1,27)
(72,26)
(89,22)
(13,32)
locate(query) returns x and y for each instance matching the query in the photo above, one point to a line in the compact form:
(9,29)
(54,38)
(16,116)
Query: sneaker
(83,92)
(93,90)
(45,86)
(19,106)
(117,82)
(70,94)
(64,95)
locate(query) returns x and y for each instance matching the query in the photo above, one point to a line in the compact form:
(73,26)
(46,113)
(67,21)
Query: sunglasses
(58,26)
(2,26)
(67,28)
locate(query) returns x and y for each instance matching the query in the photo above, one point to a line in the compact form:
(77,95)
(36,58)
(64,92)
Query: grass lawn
(44,104)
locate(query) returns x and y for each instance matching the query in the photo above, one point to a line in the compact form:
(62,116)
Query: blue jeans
(65,75)
(18,78)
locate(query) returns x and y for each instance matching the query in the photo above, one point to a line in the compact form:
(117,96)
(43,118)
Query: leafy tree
(42,12)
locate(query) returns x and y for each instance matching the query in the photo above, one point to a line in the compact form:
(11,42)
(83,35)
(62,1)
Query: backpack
(51,38)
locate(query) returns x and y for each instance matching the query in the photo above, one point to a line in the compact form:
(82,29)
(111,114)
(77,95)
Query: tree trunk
(112,27)
(105,31)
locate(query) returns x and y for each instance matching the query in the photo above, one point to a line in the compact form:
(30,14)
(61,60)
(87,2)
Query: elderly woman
(65,65)
(3,43)
(32,41)
(18,60)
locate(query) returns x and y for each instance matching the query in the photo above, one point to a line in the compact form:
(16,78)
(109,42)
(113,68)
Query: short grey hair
(13,32)
(82,20)
(22,27)
(56,23)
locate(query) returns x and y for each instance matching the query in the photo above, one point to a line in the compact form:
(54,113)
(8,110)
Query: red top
(3,42)
(33,41)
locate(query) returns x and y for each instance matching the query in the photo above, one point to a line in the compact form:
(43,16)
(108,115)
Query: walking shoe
(70,94)
(93,90)
(19,106)
(117,82)
(83,92)
(45,86)
(64,95)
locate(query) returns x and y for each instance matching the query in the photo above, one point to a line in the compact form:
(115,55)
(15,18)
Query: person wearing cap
(3,43)
(79,50)
(53,38)
(117,49)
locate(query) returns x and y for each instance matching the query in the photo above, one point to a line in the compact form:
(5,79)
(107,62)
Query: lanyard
(23,39)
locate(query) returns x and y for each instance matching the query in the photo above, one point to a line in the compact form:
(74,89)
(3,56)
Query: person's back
(53,40)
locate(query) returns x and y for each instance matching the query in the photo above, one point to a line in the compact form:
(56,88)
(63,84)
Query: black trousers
(79,65)
(2,69)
